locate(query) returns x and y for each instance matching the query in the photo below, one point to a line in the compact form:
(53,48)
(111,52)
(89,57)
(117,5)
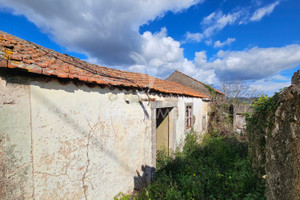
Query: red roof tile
(18,53)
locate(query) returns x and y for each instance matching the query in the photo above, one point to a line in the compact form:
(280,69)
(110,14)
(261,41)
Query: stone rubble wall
(274,144)
(283,146)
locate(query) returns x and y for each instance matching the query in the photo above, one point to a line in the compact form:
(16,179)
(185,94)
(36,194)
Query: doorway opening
(165,129)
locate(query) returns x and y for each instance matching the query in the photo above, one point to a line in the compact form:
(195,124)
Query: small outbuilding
(74,130)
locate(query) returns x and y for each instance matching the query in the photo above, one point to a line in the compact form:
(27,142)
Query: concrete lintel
(164,104)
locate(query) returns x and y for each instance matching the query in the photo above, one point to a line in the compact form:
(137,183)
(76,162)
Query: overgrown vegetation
(220,119)
(218,168)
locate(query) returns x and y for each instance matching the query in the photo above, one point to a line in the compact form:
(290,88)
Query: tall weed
(218,168)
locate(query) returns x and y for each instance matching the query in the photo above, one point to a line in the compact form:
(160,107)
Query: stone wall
(239,119)
(274,143)
(283,147)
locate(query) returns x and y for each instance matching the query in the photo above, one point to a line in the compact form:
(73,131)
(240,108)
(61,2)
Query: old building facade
(74,130)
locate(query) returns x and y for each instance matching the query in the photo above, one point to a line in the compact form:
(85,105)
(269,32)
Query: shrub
(218,168)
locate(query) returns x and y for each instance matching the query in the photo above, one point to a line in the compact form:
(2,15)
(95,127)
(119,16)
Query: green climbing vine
(259,122)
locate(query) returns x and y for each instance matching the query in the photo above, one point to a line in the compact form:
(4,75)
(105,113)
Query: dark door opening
(164,129)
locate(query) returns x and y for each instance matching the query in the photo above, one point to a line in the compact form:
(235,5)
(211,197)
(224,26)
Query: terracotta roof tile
(18,53)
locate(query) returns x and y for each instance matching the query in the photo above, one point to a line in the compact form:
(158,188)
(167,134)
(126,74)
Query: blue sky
(211,40)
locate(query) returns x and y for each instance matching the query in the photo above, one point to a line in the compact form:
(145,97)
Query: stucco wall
(89,141)
(15,140)
(83,142)
(64,141)
(199,107)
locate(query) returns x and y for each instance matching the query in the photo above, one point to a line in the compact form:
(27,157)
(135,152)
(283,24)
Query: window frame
(188,115)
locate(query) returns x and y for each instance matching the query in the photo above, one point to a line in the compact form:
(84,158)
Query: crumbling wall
(274,142)
(239,119)
(283,147)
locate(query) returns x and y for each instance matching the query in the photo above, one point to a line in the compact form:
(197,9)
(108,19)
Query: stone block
(296,77)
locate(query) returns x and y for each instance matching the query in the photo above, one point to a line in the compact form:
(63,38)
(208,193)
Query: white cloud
(158,52)
(219,44)
(161,55)
(211,24)
(200,58)
(193,37)
(256,63)
(217,21)
(270,86)
(261,12)
(158,48)
(106,30)
(208,42)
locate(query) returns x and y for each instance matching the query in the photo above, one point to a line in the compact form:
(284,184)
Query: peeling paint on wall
(69,142)
(15,137)
(96,149)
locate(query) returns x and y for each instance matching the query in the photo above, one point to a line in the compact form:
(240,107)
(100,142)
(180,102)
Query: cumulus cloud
(255,63)
(249,64)
(158,51)
(264,11)
(160,56)
(219,44)
(106,31)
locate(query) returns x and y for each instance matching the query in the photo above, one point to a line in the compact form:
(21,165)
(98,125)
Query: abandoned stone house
(74,130)
(239,118)
(192,83)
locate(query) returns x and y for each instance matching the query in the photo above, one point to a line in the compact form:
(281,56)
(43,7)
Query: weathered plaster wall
(88,143)
(16,180)
(200,108)
(63,141)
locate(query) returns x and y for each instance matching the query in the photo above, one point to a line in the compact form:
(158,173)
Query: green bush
(218,168)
